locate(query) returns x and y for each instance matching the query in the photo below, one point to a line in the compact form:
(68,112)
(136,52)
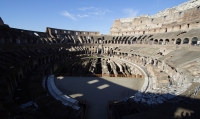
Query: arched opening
(151,41)
(160,41)
(92,40)
(99,50)
(99,40)
(152,62)
(134,40)
(116,40)
(194,41)
(106,42)
(89,41)
(173,41)
(178,41)
(166,41)
(186,41)
(125,42)
(85,39)
(121,41)
(155,41)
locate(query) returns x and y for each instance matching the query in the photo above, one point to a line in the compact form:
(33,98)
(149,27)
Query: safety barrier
(101,75)
(66,100)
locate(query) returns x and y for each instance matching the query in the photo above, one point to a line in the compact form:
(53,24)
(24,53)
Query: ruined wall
(183,17)
(70,32)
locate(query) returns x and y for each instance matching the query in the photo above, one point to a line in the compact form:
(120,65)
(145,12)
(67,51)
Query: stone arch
(186,41)
(99,40)
(89,41)
(152,62)
(111,51)
(166,41)
(116,40)
(92,39)
(106,42)
(125,41)
(178,41)
(194,41)
(134,40)
(121,41)
(151,41)
(160,42)
(155,41)
(173,41)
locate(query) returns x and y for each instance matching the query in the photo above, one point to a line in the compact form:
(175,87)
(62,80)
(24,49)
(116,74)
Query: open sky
(88,15)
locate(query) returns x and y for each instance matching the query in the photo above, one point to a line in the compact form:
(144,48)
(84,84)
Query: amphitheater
(148,67)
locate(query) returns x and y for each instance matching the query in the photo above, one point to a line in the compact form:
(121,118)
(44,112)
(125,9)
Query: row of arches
(151,41)
(193,41)
(115,40)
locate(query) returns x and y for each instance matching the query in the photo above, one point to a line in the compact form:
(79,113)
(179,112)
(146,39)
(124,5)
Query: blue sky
(88,15)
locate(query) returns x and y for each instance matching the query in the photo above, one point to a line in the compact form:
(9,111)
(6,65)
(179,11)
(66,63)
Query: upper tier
(183,17)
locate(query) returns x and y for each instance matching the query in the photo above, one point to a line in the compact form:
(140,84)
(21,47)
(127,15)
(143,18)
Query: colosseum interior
(147,67)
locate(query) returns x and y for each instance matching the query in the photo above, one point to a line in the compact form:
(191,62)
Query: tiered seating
(29,68)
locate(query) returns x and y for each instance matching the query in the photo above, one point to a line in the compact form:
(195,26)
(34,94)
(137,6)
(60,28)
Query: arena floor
(97,91)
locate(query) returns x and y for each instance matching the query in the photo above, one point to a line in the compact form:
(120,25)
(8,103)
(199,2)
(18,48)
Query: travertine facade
(183,17)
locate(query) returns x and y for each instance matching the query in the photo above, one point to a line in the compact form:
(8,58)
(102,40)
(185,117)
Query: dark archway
(160,41)
(166,41)
(186,41)
(178,41)
(155,41)
(194,41)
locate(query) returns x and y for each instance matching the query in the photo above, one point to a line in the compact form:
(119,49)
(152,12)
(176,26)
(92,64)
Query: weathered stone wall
(71,32)
(183,17)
